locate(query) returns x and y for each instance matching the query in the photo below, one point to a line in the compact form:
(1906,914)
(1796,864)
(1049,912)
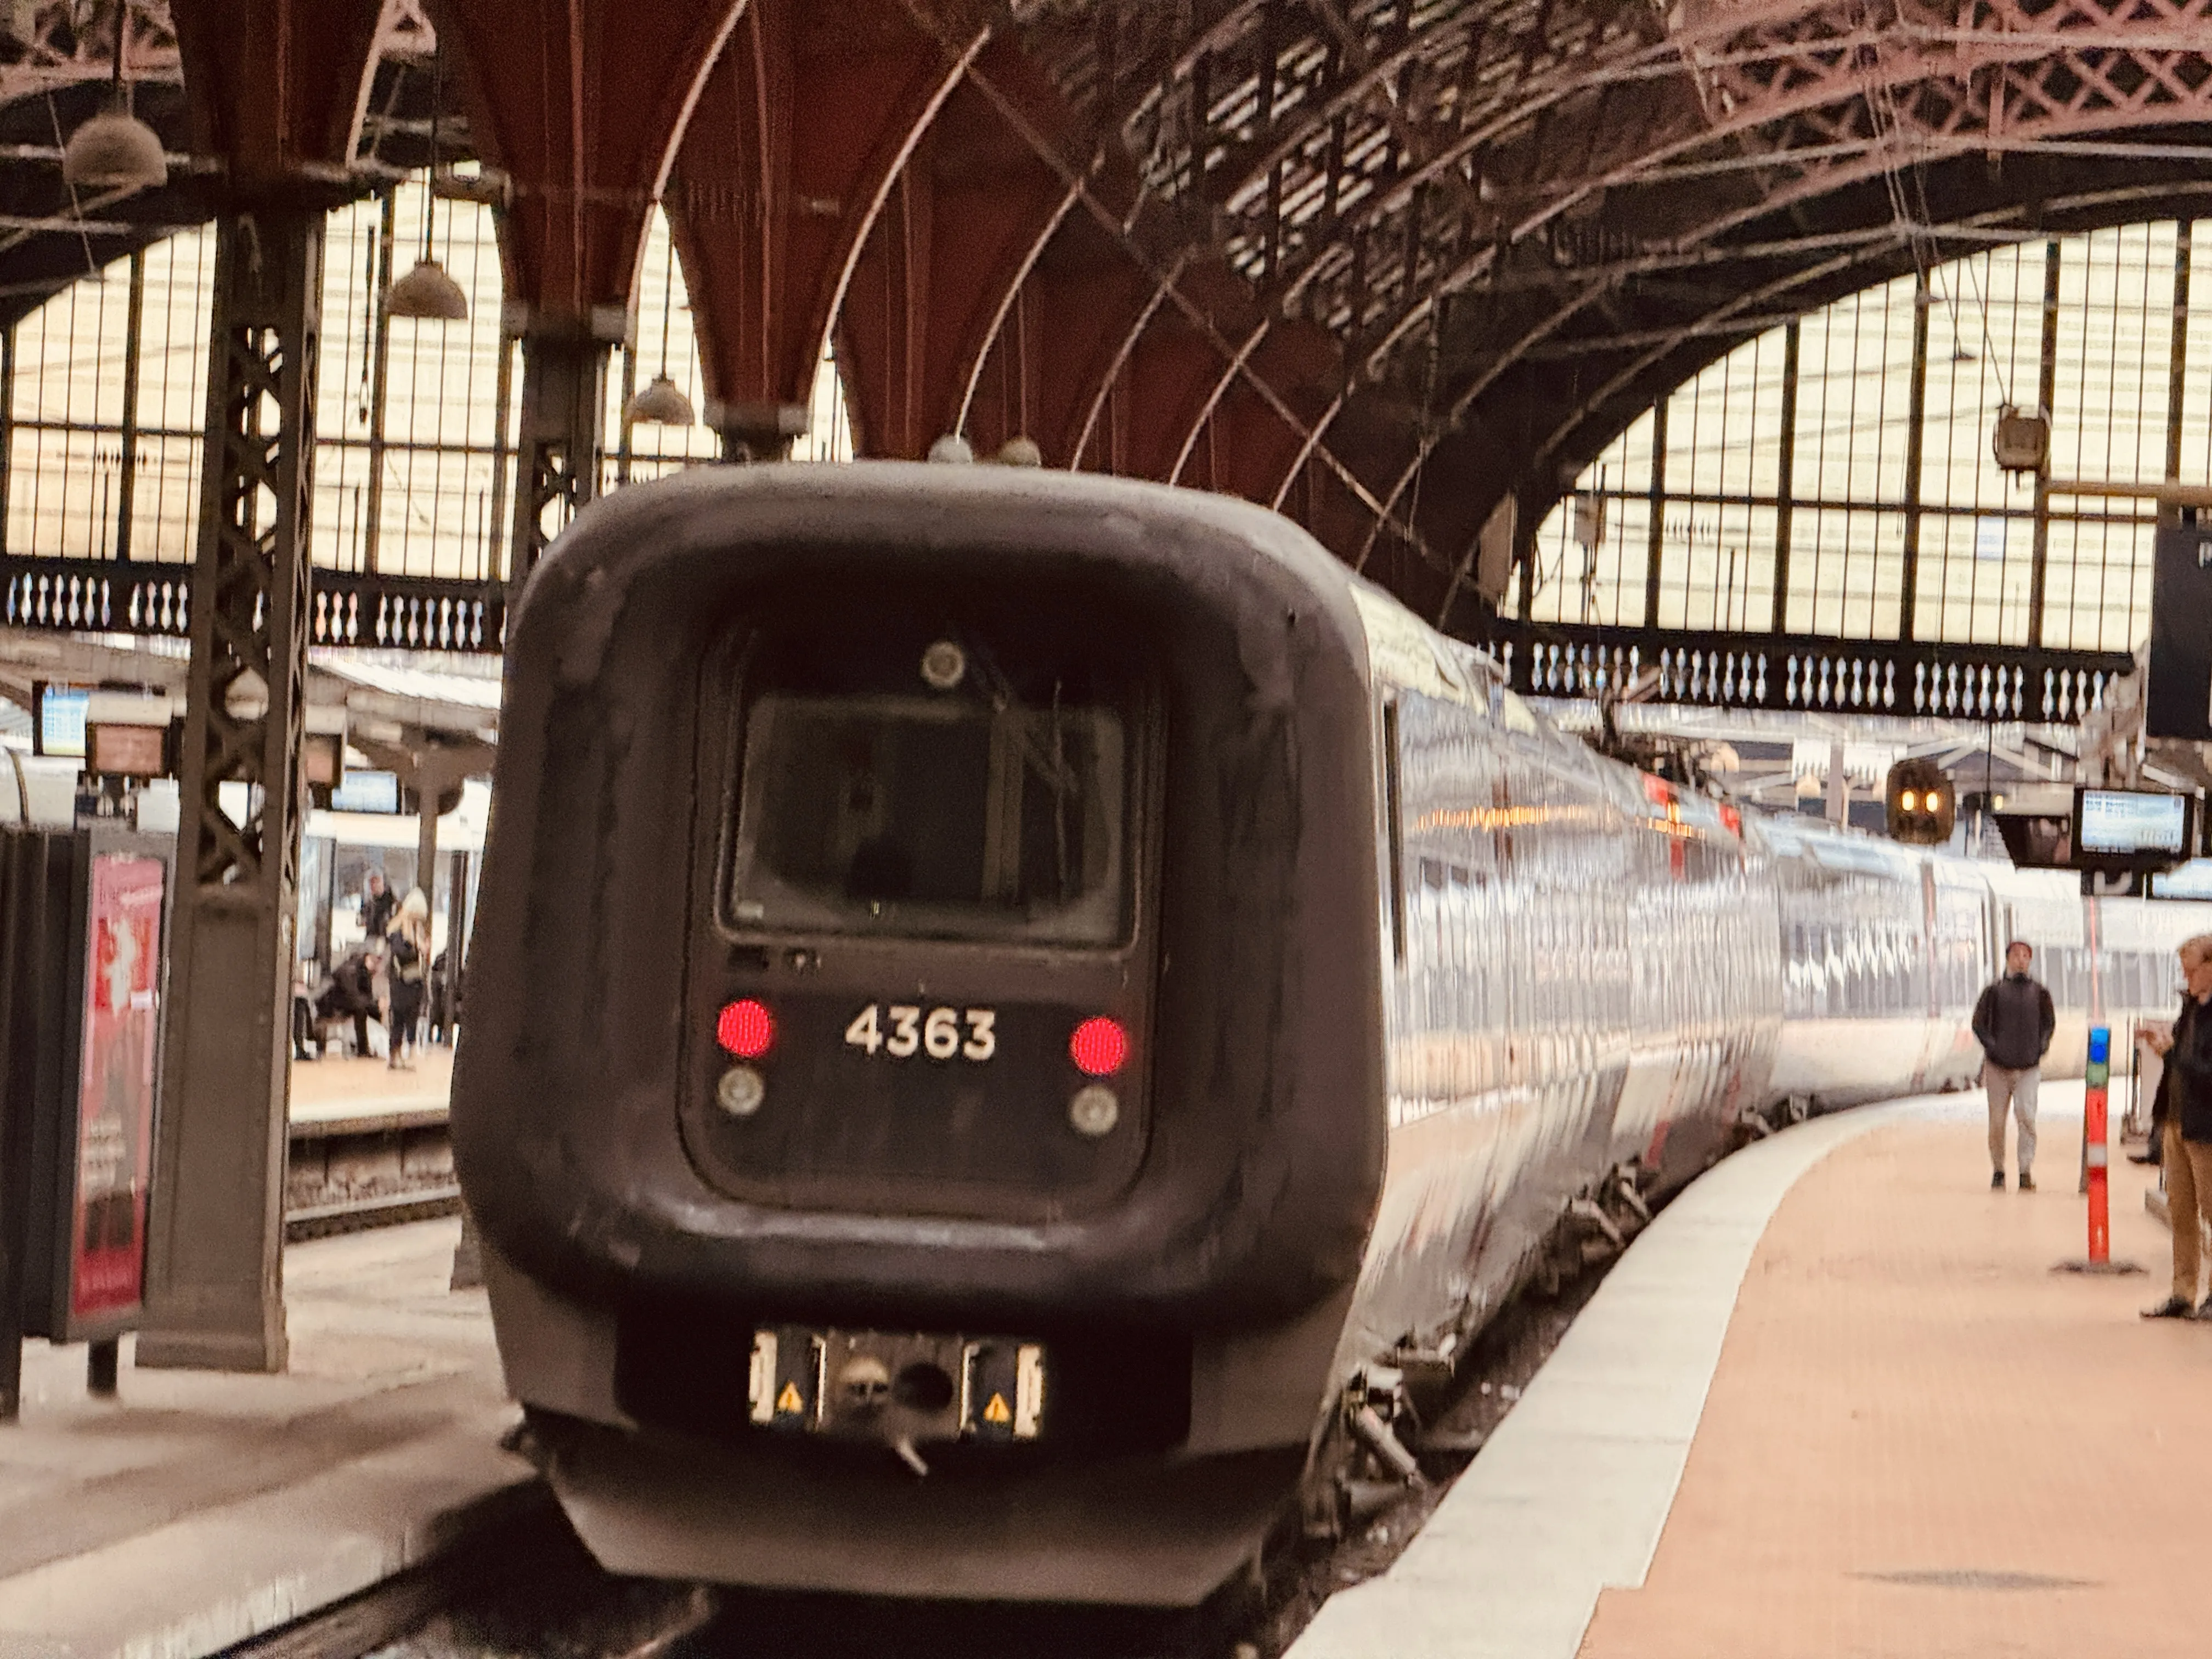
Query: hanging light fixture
(662,402)
(115,150)
(426,293)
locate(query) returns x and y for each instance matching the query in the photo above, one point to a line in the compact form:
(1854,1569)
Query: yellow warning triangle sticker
(788,1400)
(996,1412)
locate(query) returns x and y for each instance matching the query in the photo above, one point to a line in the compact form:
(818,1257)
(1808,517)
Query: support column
(215,1289)
(1785,483)
(556,459)
(380,379)
(126,475)
(1916,422)
(8,439)
(1658,527)
(2046,394)
(756,432)
(2177,387)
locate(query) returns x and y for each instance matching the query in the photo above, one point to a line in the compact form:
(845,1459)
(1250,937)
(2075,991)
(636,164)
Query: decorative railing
(406,613)
(346,607)
(1802,673)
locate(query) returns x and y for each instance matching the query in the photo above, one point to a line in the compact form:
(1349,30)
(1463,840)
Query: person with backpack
(2013,1022)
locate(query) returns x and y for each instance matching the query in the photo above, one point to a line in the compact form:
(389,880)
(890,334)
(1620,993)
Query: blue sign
(61,720)
(366,792)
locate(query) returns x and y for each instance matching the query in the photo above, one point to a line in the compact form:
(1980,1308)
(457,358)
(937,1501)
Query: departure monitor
(117,750)
(2192,880)
(2129,829)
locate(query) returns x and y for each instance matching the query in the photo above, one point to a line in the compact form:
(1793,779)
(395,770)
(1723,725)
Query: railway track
(524,1585)
(373,1170)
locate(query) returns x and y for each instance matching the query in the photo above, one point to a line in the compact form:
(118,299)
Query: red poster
(115,1112)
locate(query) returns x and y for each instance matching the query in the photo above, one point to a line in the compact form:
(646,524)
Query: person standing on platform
(2013,1022)
(378,904)
(409,965)
(2186,1097)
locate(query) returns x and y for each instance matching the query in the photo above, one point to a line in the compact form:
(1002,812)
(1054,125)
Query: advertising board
(116,1091)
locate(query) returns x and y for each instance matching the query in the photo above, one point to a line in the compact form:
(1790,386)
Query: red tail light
(1099,1047)
(746,1029)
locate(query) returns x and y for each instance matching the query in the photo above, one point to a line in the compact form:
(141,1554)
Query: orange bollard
(2096,1159)
(2097,1081)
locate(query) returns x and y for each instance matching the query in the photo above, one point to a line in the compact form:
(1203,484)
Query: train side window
(1394,827)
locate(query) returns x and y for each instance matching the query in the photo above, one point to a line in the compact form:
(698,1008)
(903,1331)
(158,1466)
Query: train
(1011,1011)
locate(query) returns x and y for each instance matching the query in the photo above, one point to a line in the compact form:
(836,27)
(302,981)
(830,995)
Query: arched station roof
(1381,263)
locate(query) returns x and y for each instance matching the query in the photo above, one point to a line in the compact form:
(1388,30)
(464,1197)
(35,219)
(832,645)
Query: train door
(1931,1001)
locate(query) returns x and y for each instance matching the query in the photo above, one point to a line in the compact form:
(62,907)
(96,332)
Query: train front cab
(926,1017)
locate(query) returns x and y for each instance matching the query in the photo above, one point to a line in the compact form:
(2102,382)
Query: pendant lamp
(662,402)
(426,294)
(115,150)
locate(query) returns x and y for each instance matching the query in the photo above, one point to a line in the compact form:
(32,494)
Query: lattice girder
(1360,164)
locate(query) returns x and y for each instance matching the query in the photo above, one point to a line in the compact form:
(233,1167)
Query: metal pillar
(1785,481)
(216,1278)
(1916,447)
(1658,527)
(380,359)
(2046,393)
(756,431)
(8,447)
(557,451)
(2177,389)
(134,339)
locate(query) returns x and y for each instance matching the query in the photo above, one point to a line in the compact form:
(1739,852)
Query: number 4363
(900,1032)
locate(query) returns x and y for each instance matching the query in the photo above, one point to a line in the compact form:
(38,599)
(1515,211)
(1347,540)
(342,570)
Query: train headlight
(1919,806)
(1093,1111)
(944,665)
(741,1091)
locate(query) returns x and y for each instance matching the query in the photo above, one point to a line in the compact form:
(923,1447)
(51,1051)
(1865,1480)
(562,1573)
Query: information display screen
(61,720)
(366,792)
(2192,880)
(134,751)
(2126,825)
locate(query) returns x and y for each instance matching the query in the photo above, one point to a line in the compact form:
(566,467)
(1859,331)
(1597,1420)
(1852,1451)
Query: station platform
(196,1509)
(1835,1401)
(339,1089)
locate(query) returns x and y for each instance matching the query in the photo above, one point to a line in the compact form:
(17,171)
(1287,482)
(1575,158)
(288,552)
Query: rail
(372,1170)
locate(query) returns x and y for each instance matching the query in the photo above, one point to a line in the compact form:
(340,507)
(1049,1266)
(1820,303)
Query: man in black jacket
(378,904)
(2185,1100)
(2013,1022)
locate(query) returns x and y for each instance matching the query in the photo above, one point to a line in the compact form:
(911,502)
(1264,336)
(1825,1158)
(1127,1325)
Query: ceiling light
(662,402)
(428,294)
(114,150)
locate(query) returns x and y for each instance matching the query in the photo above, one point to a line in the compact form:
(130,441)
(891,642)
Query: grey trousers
(2015,1090)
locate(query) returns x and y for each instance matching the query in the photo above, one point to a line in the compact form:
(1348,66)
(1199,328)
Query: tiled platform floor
(197,1509)
(327,1090)
(1922,1440)
(1835,1402)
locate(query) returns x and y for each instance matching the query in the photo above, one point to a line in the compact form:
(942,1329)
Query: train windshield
(977,800)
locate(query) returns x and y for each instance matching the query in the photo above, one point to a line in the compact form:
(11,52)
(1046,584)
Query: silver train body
(1589,968)
(1407,979)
